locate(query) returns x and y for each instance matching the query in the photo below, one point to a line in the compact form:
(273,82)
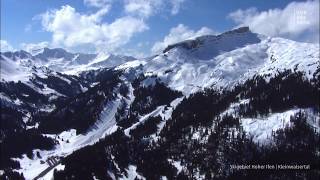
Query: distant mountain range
(57,59)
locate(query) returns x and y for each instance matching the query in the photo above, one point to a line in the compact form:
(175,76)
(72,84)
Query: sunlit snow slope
(226,59)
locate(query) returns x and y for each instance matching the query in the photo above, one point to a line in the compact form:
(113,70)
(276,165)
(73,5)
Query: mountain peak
(243,29)
(54,53)
(229,39)
(55,50)
(17,55)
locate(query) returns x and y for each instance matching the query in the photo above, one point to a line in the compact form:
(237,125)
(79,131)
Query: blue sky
(144,27)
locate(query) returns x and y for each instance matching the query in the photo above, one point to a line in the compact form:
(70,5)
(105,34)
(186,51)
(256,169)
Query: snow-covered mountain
(191,111)
(227,59)
(49,73)
(20,65)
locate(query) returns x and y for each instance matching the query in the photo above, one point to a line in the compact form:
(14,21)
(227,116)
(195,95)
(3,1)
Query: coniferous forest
(221,142)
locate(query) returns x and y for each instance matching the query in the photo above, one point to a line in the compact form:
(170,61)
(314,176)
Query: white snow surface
(230,59)
(154,113)
(49,175)
(7,101)
(162,111)
(176,164)
(166,114)
(14,70)
(132,174)
(260,129)
(234,107)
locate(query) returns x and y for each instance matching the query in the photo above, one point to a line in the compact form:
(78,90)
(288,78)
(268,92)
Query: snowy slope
(13,69)
(228,58)
(261,129)
(69,141)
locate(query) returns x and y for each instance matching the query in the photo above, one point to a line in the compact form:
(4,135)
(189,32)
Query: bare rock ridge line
(191,44)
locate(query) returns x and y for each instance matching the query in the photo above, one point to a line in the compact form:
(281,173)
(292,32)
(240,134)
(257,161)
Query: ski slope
(70,141)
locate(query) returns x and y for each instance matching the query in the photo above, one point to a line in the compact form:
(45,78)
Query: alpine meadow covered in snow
(156,89)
